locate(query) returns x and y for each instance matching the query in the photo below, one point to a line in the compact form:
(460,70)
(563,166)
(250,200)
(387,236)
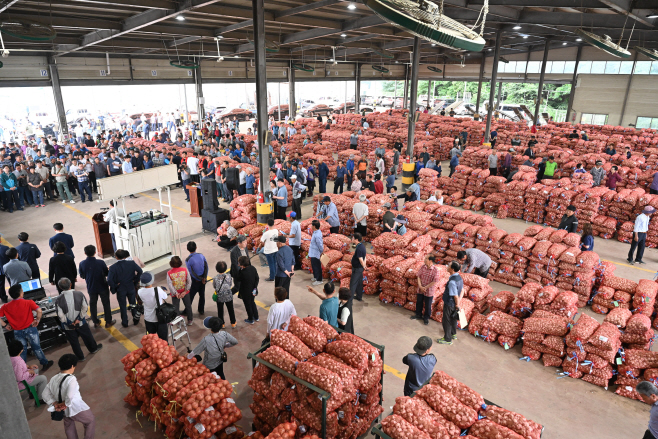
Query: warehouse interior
(137,43)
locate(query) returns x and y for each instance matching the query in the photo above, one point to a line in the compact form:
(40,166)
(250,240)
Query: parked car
(386,102)
(240,114)
(317,109)
(341,107)
(274,111)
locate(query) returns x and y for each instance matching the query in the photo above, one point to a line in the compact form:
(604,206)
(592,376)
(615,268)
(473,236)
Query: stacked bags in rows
(178,394)
(347,367)
(444,408)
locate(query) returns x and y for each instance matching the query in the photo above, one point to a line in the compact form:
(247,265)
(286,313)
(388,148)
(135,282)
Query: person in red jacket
(379,186)
(613,178)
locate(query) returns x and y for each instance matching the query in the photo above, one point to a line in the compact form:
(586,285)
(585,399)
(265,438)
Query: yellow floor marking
(156,199)
(68,206)
(630,266)
(44,275)
(122,339)
(262,305)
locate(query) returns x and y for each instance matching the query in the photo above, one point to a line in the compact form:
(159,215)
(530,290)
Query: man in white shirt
(193,164)
(75,409)
(640,230)
(437,196)
(146,295)
(280,312)
(270,248)
(243,181)
(360,212)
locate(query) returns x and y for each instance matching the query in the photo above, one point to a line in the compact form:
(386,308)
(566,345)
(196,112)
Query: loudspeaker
(209,193)
(211,219)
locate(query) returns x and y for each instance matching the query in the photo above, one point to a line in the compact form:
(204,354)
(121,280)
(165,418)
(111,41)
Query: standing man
(61,266)
(198,267)
(421,363)
(29,253)
(341,172)
(83,182)
(454,162)
(71,309)
(281,198)
(329,306)
(360,212)
(474,261)
(61,237)
(315,251)
(507,162)
(269,243)
(493,163)
(16,270)
(19,317)
(4,259)
(240,249)
(297,191)
(123,278)
(9,184)
(111,216)
(349,171)
(640,235)
(295,238)
(598,173)
(451,297)
(549,170)
(428,277)
(285,265)
(358,267)
(61,182)
(354,140)
(328,211)
(74,408)
(323,173)
(94,271)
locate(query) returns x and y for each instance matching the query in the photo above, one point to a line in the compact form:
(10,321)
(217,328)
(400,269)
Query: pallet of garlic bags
(444,408)
(326,383)
(179,395)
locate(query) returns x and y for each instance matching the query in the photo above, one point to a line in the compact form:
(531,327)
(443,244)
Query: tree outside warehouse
(555,97)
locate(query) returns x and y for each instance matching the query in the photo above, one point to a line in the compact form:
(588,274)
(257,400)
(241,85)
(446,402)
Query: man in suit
(123,278)
(239,250)
(3,260)
(61,266)
(16,270)
(94,271)
(62,237)
(29,253)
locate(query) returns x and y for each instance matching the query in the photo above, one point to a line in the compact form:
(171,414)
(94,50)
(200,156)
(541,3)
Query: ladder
(178,330)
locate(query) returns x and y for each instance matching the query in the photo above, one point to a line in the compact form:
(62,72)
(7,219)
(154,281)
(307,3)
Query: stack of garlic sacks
(346,366)
(179,395)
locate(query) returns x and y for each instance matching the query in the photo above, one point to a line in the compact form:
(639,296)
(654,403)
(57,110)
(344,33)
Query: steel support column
(292,105)
(500,92)
(628,88)
(541,81)
(492,88)
(572,93)
(258,8)
(527,61)
(429,93)
(477,102)
(198,85)
(357,88)
(414,93)
(406,88)
(59,101)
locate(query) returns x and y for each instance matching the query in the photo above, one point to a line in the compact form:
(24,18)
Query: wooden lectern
(102,235)
(196,200)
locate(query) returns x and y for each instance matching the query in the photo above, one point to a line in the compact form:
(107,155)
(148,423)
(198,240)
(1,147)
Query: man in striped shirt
(83,181)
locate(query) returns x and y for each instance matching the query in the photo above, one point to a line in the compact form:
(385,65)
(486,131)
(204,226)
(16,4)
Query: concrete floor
(566,407)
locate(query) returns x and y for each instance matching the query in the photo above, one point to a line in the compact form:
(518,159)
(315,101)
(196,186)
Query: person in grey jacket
(213,346)
(16,270)
(71,309)
(598,173)
(221,283)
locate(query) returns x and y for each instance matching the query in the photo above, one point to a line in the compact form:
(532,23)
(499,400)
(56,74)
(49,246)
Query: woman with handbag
(179,282)
(248,280)
(223,295)
(147,296)
(213,346)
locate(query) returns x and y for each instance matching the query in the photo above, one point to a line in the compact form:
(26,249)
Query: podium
(102,235)
(196,200)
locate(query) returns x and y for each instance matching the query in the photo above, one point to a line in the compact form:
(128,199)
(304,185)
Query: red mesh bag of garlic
(416,415)
(448,405)
(290,344)
(322,326)
(320,377)
(279,358)
(486,429)
(398,428)
(350,353)
(465,394)
(311,337)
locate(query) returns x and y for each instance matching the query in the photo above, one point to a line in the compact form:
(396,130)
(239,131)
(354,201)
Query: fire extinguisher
(261,199)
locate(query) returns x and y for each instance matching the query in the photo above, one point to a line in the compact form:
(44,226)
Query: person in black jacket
(239,250)
(123,277)
(569,221)
(62,237)
(94,272)
(247,286)
(61,266)
(4,259)
(232,179)
(29,253)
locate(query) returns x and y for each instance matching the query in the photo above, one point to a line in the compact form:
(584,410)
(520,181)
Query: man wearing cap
(569,221)
(421,363)
(281,199)
(147,297)
(360,212)
(399,225)
(285,265)
(640,235)
(297,191)
(328,211)
(583,136)
(227,239)
(598,173)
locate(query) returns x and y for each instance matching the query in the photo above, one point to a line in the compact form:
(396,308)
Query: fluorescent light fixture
(219,37)
(331,60)
(517,27)
(180,18)
(433,44)
(489,50)
(343,35)
(579,39)
(236,56)
(351,6)
(525,37)
(652,16)
(564,44)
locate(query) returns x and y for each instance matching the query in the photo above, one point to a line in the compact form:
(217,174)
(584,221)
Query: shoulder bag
(59,415)
(166,312)
(224,357)
(214,295)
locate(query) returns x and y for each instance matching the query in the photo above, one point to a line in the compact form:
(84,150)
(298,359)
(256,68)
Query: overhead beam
(623,6)
(392,45)
(234,26)
(138,21)
(305,8)
(588,4)
(7,5)
(359,23)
